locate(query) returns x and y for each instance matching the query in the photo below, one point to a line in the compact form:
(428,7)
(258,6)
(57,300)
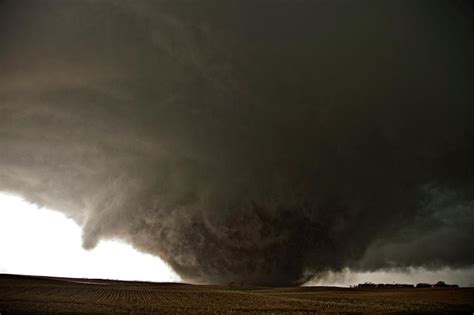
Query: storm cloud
(255,141)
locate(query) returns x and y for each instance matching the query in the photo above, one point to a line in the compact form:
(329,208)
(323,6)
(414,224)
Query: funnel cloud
(263,142)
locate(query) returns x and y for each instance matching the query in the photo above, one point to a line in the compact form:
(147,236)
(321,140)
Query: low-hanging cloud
(256,141)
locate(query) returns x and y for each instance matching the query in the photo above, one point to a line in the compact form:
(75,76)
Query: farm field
(45,295)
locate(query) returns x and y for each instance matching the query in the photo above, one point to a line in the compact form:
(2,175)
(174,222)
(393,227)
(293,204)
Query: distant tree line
(439,284)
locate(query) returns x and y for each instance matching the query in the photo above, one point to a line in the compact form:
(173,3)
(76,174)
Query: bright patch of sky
(39,241)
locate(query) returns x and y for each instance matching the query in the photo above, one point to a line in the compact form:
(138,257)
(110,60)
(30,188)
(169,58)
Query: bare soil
(46,295)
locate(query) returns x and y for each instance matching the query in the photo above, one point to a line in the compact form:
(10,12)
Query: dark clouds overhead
(257,141)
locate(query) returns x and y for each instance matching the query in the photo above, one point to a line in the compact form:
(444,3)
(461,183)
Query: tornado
(259,142)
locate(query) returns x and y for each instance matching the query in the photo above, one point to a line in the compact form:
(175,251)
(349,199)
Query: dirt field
(22,294)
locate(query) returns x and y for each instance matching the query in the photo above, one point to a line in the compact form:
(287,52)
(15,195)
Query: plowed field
(43,295)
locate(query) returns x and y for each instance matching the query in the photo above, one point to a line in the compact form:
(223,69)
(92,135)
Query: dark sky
(264,141)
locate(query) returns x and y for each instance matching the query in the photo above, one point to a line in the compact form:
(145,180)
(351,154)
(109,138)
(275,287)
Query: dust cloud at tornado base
(255,141)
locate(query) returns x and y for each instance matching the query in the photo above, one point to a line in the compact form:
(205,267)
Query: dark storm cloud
(256,141)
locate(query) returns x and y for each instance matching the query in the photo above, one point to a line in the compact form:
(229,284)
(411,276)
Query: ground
(44,295)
